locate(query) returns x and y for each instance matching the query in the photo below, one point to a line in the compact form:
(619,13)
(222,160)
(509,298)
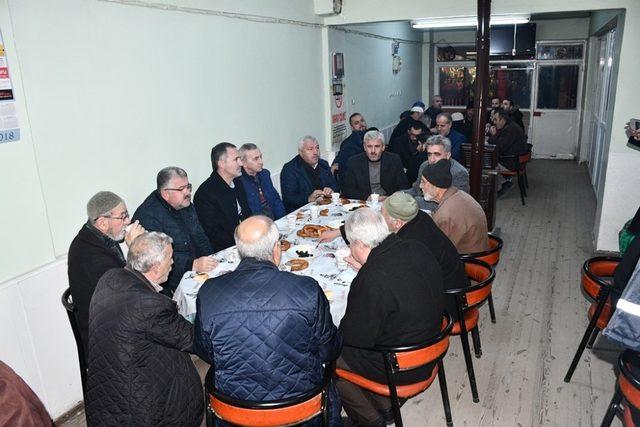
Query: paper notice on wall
(9,125)
(338,121)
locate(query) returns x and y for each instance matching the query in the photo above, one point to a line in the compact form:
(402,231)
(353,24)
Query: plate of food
(312,231)
(324,200)
(336,224)
(303,251)
(297,264)
(324,212)
(350,207)
(285,245)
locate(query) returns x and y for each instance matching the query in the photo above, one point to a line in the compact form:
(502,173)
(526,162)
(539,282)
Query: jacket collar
(108,241)
(379,251)
(141,277)
(164,203)
(253,264)
(450,192)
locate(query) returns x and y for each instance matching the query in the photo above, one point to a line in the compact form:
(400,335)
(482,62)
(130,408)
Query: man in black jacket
(169,209)
(221,201)
(401,213)
(374,171)
(96,249)
(406,146)
(514,113)
(508,137)
(138,370)
(396,299)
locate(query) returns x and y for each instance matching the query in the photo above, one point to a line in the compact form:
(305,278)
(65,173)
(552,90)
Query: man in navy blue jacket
(262,197)
(350,147)
(220,200)
(267,332)
(443,125)
(306,177)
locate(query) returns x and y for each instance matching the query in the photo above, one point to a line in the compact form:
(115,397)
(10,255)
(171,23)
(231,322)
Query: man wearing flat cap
(401,213)
(459,215)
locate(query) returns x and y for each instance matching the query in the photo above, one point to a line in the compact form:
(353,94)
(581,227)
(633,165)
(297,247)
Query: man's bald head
(257,237)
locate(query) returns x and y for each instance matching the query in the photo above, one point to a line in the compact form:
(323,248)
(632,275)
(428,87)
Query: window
(559,51)
(560,88)
(456,84)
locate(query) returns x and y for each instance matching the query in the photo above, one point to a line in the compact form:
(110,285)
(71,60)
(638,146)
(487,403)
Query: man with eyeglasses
(169,209)
(96,249)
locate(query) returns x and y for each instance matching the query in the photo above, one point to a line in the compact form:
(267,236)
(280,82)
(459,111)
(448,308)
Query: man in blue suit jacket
(306,177)
(262,197)
(443,125)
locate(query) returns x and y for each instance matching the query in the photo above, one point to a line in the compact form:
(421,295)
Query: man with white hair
(306,177)
(139,372)
(96,249)
(267,332)
(396,299)
(374,171)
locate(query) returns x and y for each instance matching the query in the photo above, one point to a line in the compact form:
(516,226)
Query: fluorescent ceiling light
(467,21)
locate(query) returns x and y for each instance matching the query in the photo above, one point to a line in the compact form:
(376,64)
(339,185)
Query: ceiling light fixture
(467,21)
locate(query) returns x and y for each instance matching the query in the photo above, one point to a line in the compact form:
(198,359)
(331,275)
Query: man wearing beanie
(459,216)
(401,213)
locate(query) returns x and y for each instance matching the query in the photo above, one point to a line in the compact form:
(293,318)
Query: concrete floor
(541,316)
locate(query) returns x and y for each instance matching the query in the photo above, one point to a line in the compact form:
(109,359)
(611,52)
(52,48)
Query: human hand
(204,264)
(135,229)
(314,196)
(326,191)
(353,263)
(493,130)
(335,167)
(329,235)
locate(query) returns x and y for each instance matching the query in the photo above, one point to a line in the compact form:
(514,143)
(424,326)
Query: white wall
(371,88)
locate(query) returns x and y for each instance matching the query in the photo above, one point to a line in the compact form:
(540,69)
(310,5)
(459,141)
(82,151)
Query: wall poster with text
(9,128)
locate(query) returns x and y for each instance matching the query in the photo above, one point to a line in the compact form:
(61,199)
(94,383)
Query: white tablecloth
(322,268)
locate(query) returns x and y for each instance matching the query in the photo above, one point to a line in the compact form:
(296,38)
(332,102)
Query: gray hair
(101,204)
(305,138)
(261,248)
(147,250)
(371,135)
(367,226)
(447,116)
(440,140)
(167,174)
(242,151)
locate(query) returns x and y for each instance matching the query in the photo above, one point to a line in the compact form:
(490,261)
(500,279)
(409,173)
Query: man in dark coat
(169,209)
(403,217)
(262,197)
(396,299)
(406,146)
(514,113)
(374,171)
(351,146)
(444,124)
(96,249)
(509,138)
(306,177)
(221,201)
(434,109)
(267,332)
(138,370)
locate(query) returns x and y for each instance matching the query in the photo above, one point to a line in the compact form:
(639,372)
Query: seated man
(351,146)
(138,370)
(266,331)
(443,125)
(374,171)
(306,177)
(406,146)
(169,209)
(401,213)
(439,147)
(262,197)
(514,112)
(96,249)
(459,216)
(434,109)
(510,140)
(396,299)
(220,200)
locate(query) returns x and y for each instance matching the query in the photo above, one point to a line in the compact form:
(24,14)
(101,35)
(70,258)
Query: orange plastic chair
(491,257)
(627,387)
(406,358)
(520,171)
(595,272)
(481,275)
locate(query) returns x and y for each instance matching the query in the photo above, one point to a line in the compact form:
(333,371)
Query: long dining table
(323,267)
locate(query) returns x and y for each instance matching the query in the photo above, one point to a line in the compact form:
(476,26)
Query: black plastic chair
(67,303)
(627,387)
(292,411)
(520,171)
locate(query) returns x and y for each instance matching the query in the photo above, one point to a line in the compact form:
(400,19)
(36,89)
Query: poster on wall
(338,114)
(9,128)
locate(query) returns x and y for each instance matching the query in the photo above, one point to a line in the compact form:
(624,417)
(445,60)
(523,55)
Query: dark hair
(416,124)
(219,152)
(634,227)
(405,114)
(352,116)
(370,129)
(510,102)
(503,114)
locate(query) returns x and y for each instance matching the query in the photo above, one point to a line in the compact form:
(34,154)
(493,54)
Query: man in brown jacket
(459,216)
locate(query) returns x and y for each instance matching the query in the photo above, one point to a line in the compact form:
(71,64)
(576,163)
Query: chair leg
(526,178)
(592,340)
(469,362)
(477,346)
(613,407)
(521,187)
(208,415)
(442,379)
(492,310)
(395,405)
(585,339)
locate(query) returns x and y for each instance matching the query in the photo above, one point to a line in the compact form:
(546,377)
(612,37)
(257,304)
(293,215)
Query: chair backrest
(490,256)
(481,275)
(628,380)
(290,411)
(595,272)
(489,160)
(67,303)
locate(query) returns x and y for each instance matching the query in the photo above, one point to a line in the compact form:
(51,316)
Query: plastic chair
(627,387)
(405,358)
(289,412)
(491,257)
(594,273)
(520,171)
(467,301)
(67,303)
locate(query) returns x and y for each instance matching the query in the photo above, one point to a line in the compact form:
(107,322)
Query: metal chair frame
(627,387)
(67,303)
